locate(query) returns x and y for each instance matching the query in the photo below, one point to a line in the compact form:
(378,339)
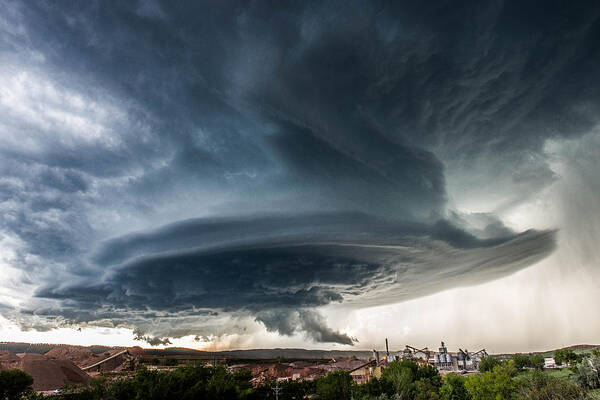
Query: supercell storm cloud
(165,165)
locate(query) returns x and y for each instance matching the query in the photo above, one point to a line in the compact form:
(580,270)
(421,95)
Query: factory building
(365,372)
(443,359)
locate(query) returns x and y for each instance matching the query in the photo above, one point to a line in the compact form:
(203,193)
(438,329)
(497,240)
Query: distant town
(54,367)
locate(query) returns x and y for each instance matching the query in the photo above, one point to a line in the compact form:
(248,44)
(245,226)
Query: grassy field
(558,373)
(563,373)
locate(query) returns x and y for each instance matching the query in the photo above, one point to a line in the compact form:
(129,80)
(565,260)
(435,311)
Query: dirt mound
(31,356)
(136,351)
(8,360)
(49,374)
(77,356)
(6,355)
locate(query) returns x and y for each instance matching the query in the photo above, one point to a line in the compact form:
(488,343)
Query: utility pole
(277,390)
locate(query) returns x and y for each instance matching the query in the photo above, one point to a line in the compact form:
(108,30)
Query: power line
(277,390)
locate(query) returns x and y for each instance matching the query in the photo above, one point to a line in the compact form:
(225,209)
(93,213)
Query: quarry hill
(276,353)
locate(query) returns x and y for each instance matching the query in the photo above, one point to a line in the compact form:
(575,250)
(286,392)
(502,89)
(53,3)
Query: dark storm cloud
(279,268)
(152,341)
(308,130)
(313,324)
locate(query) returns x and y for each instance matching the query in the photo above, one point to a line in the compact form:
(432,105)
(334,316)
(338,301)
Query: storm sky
(275,174)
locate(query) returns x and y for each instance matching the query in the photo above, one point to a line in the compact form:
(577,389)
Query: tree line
(401,380)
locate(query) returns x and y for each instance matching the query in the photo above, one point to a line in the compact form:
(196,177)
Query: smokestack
(387,349)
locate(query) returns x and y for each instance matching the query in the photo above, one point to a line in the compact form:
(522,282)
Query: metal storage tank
(448,358)
(436,359)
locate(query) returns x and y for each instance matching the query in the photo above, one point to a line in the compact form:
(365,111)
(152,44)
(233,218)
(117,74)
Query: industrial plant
(462,360)
(53,367)
(444,360)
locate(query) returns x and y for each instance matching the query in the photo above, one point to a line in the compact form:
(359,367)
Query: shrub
(488,363)
(541,386)
(521,361)
(537,361)
(14,384)
(587,372)
(496,384)
(454,388)
(337,385)
(563,356)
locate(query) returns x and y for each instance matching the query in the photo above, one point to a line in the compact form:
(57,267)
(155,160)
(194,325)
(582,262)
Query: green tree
(427,371)
(426,389)
(297,390)
(564,356)
(587,372)
(222,385)
(488,363)
(242,379)
(121,389)
(34,396)
(521,361)
(399,376)
(289,390)
(193,382)
(373,388)
(537,361)
(14,384)
(541,386)
(497,384)
(427,383)
(454,388)
(336,385)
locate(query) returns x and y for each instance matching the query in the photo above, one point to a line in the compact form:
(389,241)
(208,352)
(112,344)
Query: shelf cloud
(279,268)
